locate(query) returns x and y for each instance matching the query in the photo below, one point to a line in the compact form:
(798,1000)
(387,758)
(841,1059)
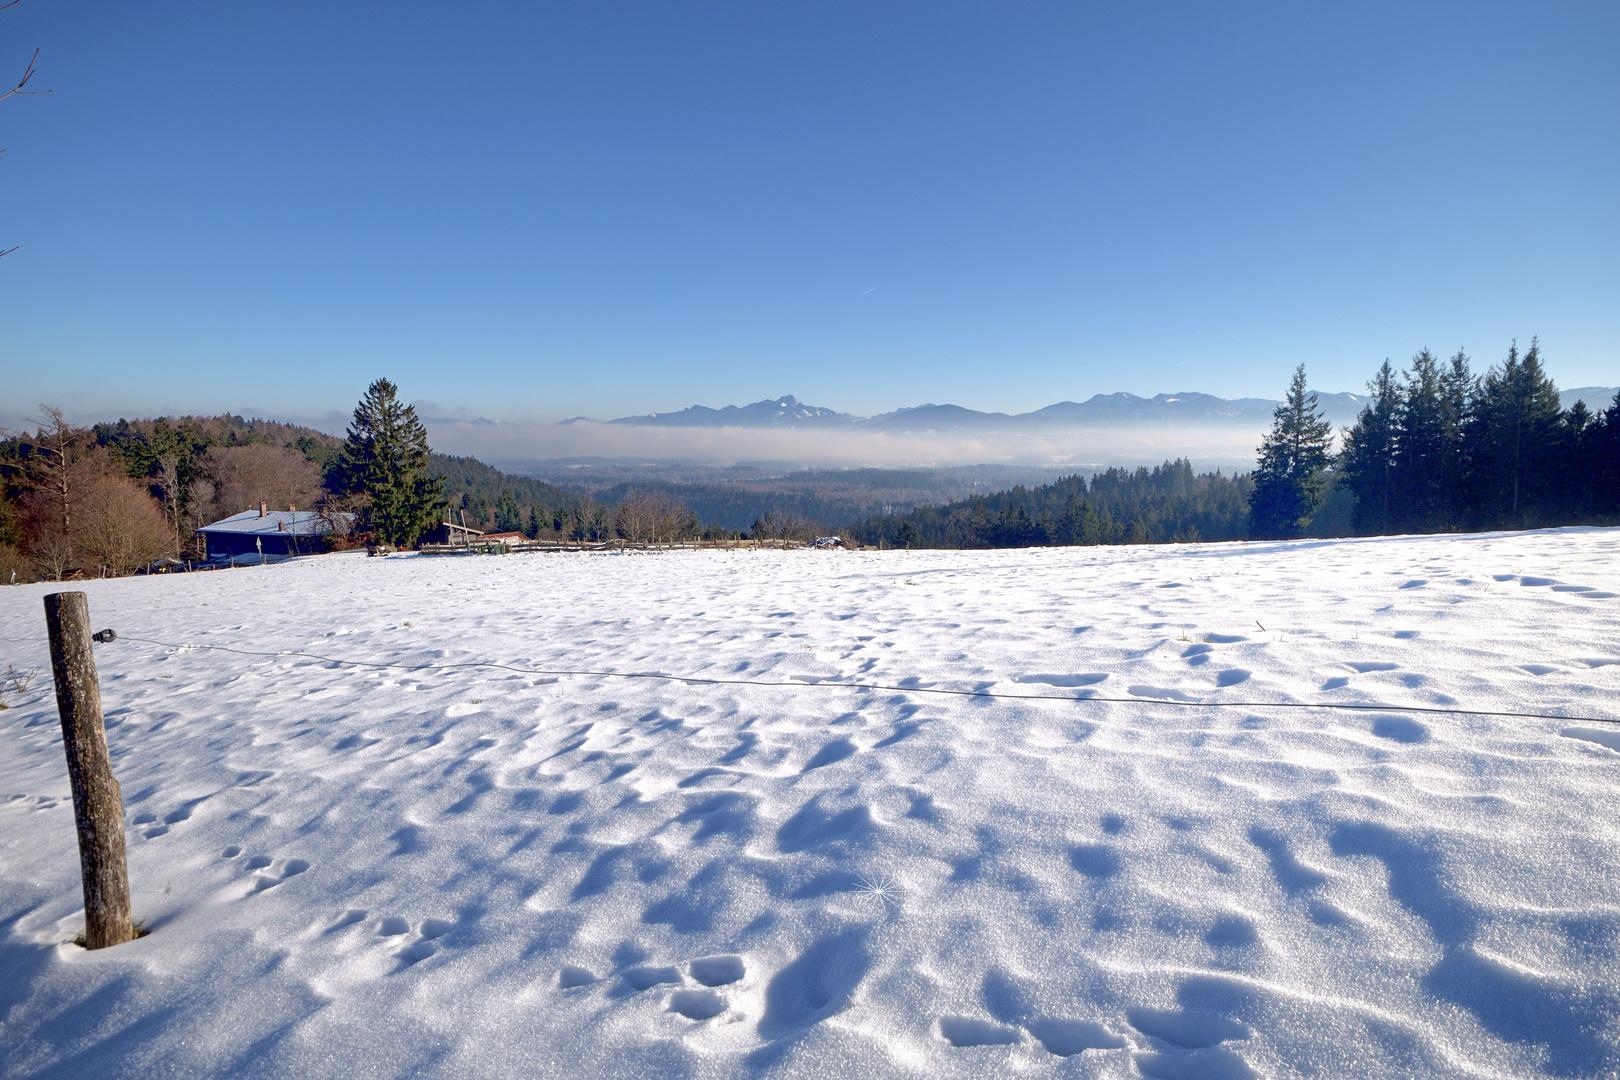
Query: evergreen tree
(1576,448)
(386,457)
(1512,435)
(1458,387)
(1421,434)
(1368,458)
(508,515)
(1605,462)
(1288,479)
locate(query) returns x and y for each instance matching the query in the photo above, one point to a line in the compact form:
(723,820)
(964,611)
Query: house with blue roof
(266,532)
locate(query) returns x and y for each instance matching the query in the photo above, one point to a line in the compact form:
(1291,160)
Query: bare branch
(29,74)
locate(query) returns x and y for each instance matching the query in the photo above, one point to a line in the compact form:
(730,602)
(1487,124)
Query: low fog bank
(1230,447)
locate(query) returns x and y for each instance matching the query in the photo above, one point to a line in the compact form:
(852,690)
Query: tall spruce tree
(1605,463)
(1422,438)
(1368,459)
(1288,478)
(1458,389)
(1513,434)
(387,458)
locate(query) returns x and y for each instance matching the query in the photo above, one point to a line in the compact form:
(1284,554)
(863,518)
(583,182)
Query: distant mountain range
(1099,411)
(1103,410)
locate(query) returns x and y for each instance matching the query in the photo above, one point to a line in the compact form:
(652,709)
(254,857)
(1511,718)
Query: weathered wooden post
(98,805)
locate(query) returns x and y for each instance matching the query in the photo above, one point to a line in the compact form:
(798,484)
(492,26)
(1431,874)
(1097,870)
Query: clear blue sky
(531,211)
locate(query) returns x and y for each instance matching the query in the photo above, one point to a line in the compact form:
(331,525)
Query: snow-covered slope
(355,872)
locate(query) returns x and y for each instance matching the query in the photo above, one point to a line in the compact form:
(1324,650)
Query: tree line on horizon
(1436,449)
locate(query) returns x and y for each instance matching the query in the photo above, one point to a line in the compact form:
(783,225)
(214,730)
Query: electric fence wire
(841,684)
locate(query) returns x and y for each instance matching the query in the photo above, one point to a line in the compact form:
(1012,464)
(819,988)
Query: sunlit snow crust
(356,873)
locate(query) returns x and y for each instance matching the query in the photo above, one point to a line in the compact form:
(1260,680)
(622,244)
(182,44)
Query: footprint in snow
(1401,729)
(966,1031)
(697,1004)
(1163,693)
(644,978)
(571,976)
(290,869)
(1095,860)
(1065,1038)
(718,970)
(348,918)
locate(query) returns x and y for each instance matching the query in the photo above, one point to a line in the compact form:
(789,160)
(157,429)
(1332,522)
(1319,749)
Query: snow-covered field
(477,872)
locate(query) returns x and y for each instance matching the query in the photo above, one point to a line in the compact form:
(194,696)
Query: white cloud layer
(1207,446)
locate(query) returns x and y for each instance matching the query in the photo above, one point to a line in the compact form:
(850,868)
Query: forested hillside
(117,497)
(1169,503)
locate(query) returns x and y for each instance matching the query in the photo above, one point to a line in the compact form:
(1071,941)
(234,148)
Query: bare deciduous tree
(785,525)
(245,476)
(119,527)
(653,517)
(60,462)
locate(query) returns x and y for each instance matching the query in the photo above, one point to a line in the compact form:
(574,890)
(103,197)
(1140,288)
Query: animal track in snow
(1142,690)
(643,978)
(1095,860)
(717,970)
(291,868)
(1609,737)
(835,751)
(1184,1028)
(697,1004)
(348,918)
(1401,729)
(1066,1038)
(1084,678)
(1290,873)
(571,976)
(965,1031)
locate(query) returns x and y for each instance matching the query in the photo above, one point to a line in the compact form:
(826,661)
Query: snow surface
(356,872)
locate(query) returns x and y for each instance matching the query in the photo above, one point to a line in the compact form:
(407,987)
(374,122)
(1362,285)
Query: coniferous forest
(1437,449)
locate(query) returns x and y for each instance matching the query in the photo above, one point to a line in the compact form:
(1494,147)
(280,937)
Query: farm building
(272,532)
(448,532)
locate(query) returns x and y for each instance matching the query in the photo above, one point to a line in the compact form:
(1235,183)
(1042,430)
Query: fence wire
(845,684)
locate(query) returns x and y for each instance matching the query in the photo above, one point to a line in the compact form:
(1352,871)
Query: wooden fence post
(98,805)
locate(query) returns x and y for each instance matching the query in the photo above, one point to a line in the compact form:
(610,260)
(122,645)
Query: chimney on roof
(281,526)
(264,508)
(291,509)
